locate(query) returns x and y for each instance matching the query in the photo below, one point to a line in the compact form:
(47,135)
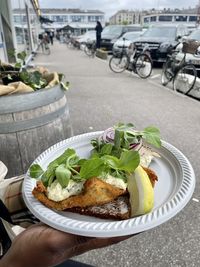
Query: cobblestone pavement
(98,99)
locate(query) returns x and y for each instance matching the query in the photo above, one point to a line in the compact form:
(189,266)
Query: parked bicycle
(137,61)
(43,48)
(72,43)
(90,48)
(178,71)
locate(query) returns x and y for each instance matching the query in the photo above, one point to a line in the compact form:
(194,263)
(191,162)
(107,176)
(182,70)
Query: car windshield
(131,35)
(195,35)
(114,30)
(169,32)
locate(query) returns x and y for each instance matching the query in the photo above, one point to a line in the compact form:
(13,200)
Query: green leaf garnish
(63,157)
(36,171)
(111,161)
(91,168)
(152,136)
(129,161)
(63,175)
(106,149)
(115,158)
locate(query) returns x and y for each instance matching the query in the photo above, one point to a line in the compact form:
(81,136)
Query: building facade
(126,17)
(19,30)
(170,17)
(76,19)
(148,17)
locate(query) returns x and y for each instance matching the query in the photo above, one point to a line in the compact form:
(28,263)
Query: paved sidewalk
(99,99)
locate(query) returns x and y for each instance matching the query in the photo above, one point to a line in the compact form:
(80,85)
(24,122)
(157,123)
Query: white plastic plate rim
(110,228)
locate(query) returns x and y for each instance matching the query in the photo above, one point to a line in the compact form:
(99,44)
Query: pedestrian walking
(98,30)
(51,36)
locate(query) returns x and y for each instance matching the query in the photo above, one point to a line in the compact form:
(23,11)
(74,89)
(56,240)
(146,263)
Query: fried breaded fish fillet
(95,192)
(118,209)
(152,175)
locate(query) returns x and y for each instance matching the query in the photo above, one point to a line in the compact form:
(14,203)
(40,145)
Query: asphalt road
(98,99)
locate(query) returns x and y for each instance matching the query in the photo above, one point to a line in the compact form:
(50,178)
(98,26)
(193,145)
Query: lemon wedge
(141,192)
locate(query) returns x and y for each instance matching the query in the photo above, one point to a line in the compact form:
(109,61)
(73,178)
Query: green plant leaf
(152,135)
(111,161)
(36,171)
(65,85)
(106,149)
(18,65)
(9,77)
(22,56)
(63,175)
(91,168)
(49,174)
(129,161)
(63,157)
(12,53)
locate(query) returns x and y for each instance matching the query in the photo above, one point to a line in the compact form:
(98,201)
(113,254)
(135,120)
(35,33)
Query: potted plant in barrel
(18,78)
(34,113)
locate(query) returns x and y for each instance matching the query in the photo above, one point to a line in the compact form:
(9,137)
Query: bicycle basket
(190,47)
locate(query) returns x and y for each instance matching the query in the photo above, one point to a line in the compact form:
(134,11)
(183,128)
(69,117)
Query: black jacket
(98,29)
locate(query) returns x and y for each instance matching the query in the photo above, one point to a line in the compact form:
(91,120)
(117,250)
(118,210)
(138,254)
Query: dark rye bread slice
(118,209)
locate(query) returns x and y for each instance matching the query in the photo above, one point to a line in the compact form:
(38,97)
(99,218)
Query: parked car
(90,35)
(111,33)
(125,41)
(83,39)
(161,39)
(193,58)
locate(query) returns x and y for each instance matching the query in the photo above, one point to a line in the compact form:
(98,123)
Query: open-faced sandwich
(115,182)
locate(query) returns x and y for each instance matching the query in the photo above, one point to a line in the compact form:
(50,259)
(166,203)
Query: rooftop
(61,11)
(68,10)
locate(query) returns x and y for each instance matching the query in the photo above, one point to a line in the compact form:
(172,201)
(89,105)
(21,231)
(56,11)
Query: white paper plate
(172,192)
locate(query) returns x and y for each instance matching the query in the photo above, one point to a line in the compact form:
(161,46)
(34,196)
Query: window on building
(165,18)
(153,18)
(24,19)
(57,18)
(180,18)
(17,19)
(94,18)
(192,18)
(146,20)
(77,18)
(65,18)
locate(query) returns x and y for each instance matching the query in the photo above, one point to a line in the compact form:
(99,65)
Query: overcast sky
(110,7)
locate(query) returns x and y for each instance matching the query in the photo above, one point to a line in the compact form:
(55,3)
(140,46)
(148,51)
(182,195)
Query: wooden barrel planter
(102,54)
(29,124)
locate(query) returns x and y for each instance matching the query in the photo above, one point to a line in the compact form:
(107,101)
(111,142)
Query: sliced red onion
(109,135)
(136,146)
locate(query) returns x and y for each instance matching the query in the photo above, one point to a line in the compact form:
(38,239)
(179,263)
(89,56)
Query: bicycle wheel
(70,44)
(46,50)
(93,52)
(167,74)
(118,64)
(185,79)
(143,66)
(88,51)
